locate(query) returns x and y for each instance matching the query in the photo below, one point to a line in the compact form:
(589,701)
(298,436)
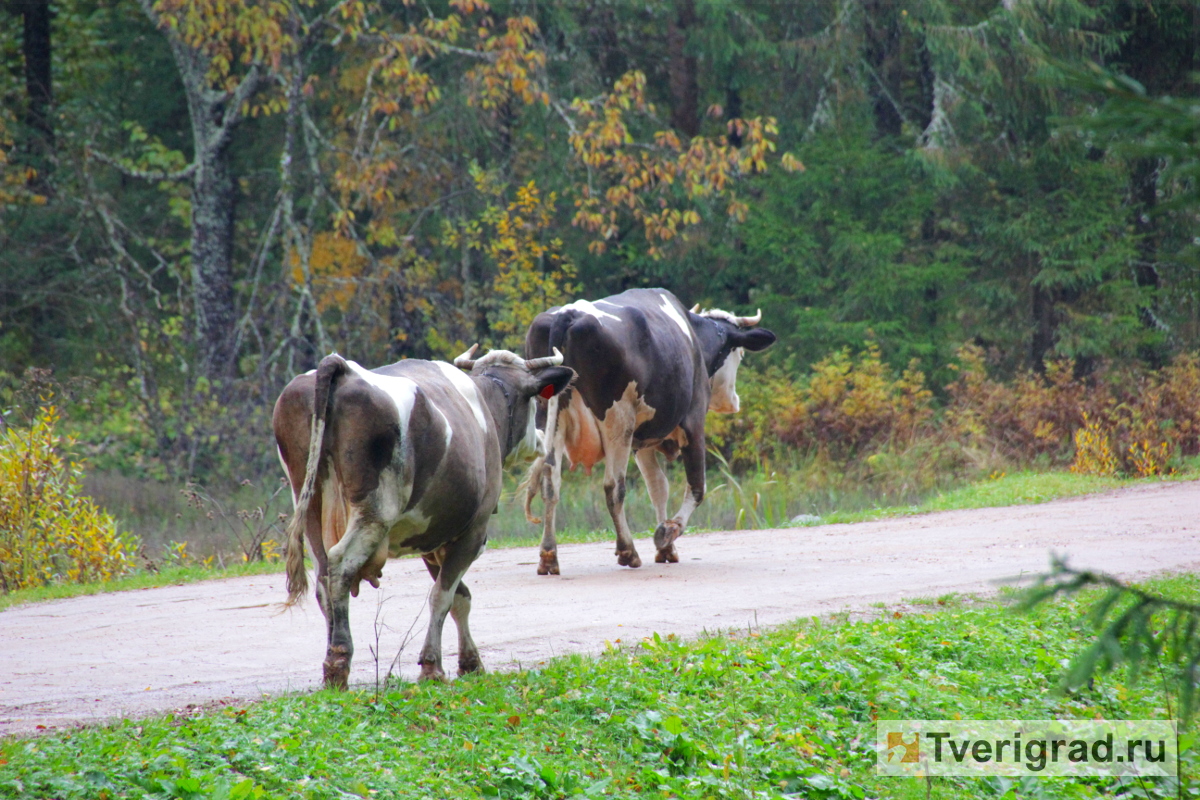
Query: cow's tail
(545,462)
(531,484)
(328,371)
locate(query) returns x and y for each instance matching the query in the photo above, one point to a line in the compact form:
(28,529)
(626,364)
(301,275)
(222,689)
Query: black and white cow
(402,459)
(649,370)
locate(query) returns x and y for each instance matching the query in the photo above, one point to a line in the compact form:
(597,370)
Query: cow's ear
(552,380)
(754,339)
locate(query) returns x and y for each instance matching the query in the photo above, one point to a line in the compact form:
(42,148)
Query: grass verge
(787,712)
(1022,488)
(142,579)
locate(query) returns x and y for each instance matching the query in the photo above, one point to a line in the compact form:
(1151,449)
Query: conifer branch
(1135,628)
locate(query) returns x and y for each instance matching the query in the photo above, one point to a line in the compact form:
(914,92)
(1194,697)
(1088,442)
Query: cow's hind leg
(468,653)
(618,427)
(361,544)
(551,487)
(668,531)
(656,481)
(447,564)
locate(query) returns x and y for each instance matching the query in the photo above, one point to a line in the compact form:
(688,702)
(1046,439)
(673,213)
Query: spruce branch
(1135,627)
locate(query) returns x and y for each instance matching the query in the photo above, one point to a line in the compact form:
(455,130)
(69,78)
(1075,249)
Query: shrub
(1033,416)
(49,531)
(852,407)
(748,439)
(1093,453)
(1129,420)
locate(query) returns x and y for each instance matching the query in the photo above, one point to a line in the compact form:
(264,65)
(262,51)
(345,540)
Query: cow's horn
(545,361)
(465,361)
(695,309)
(750,322)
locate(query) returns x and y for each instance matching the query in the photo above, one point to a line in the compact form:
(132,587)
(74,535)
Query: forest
(978,219)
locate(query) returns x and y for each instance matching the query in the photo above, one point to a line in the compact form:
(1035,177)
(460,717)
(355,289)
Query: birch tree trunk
(214,113)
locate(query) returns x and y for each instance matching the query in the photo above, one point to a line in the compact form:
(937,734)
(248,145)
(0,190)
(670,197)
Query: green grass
(785,712)
(1022,488)
(142,579)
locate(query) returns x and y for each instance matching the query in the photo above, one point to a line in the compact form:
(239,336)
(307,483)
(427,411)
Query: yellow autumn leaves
(49,531)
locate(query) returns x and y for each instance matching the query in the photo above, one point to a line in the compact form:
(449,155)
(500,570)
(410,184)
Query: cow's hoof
(337,668)
(666,533)
(667,555)
(548,565)
(470,664)
(629,558)
(432,672)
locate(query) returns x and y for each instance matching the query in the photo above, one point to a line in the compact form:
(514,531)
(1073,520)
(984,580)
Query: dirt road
(135,653)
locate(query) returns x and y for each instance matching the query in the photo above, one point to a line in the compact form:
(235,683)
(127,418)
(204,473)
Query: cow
(649,370)
(401,459)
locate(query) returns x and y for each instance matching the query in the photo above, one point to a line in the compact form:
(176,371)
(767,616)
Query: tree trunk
(733,110)
(213,206)
(35,47)
(214,115)
(882,32)
(1045,321)
(36,50)
(681,71)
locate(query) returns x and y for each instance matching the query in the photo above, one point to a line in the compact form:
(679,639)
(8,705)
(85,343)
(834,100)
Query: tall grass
(208,523)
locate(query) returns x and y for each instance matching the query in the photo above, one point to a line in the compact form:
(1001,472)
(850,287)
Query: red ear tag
(547,391)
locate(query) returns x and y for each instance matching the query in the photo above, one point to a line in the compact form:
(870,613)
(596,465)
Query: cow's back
(639,337)
(450,448)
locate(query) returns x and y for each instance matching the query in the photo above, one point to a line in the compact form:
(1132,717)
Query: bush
(856,419)
(748,439)
(1029,418)
(853,407)
(49,531)
(1129,421)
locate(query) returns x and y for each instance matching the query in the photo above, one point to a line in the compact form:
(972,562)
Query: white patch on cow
(391,495)
(402,391)
(358,544)
(414,523)
(675,316)
(724,398)
(445,422)
(288,472)
(529,446)
(587,307)
(466,387)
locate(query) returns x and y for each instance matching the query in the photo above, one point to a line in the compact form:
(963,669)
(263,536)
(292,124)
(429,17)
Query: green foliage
(1157,637)
(857,406)
(1139,125)
(49,531)
(746,714)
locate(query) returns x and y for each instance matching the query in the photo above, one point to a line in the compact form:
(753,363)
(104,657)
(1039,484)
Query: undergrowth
(788,712)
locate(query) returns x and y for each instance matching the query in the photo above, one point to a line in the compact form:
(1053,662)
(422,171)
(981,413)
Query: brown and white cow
(649,371)
(401,459)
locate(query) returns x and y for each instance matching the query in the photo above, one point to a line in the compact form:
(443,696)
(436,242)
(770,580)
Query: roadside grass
(747,714)
(141,579)
(1022,488)
(755,501)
